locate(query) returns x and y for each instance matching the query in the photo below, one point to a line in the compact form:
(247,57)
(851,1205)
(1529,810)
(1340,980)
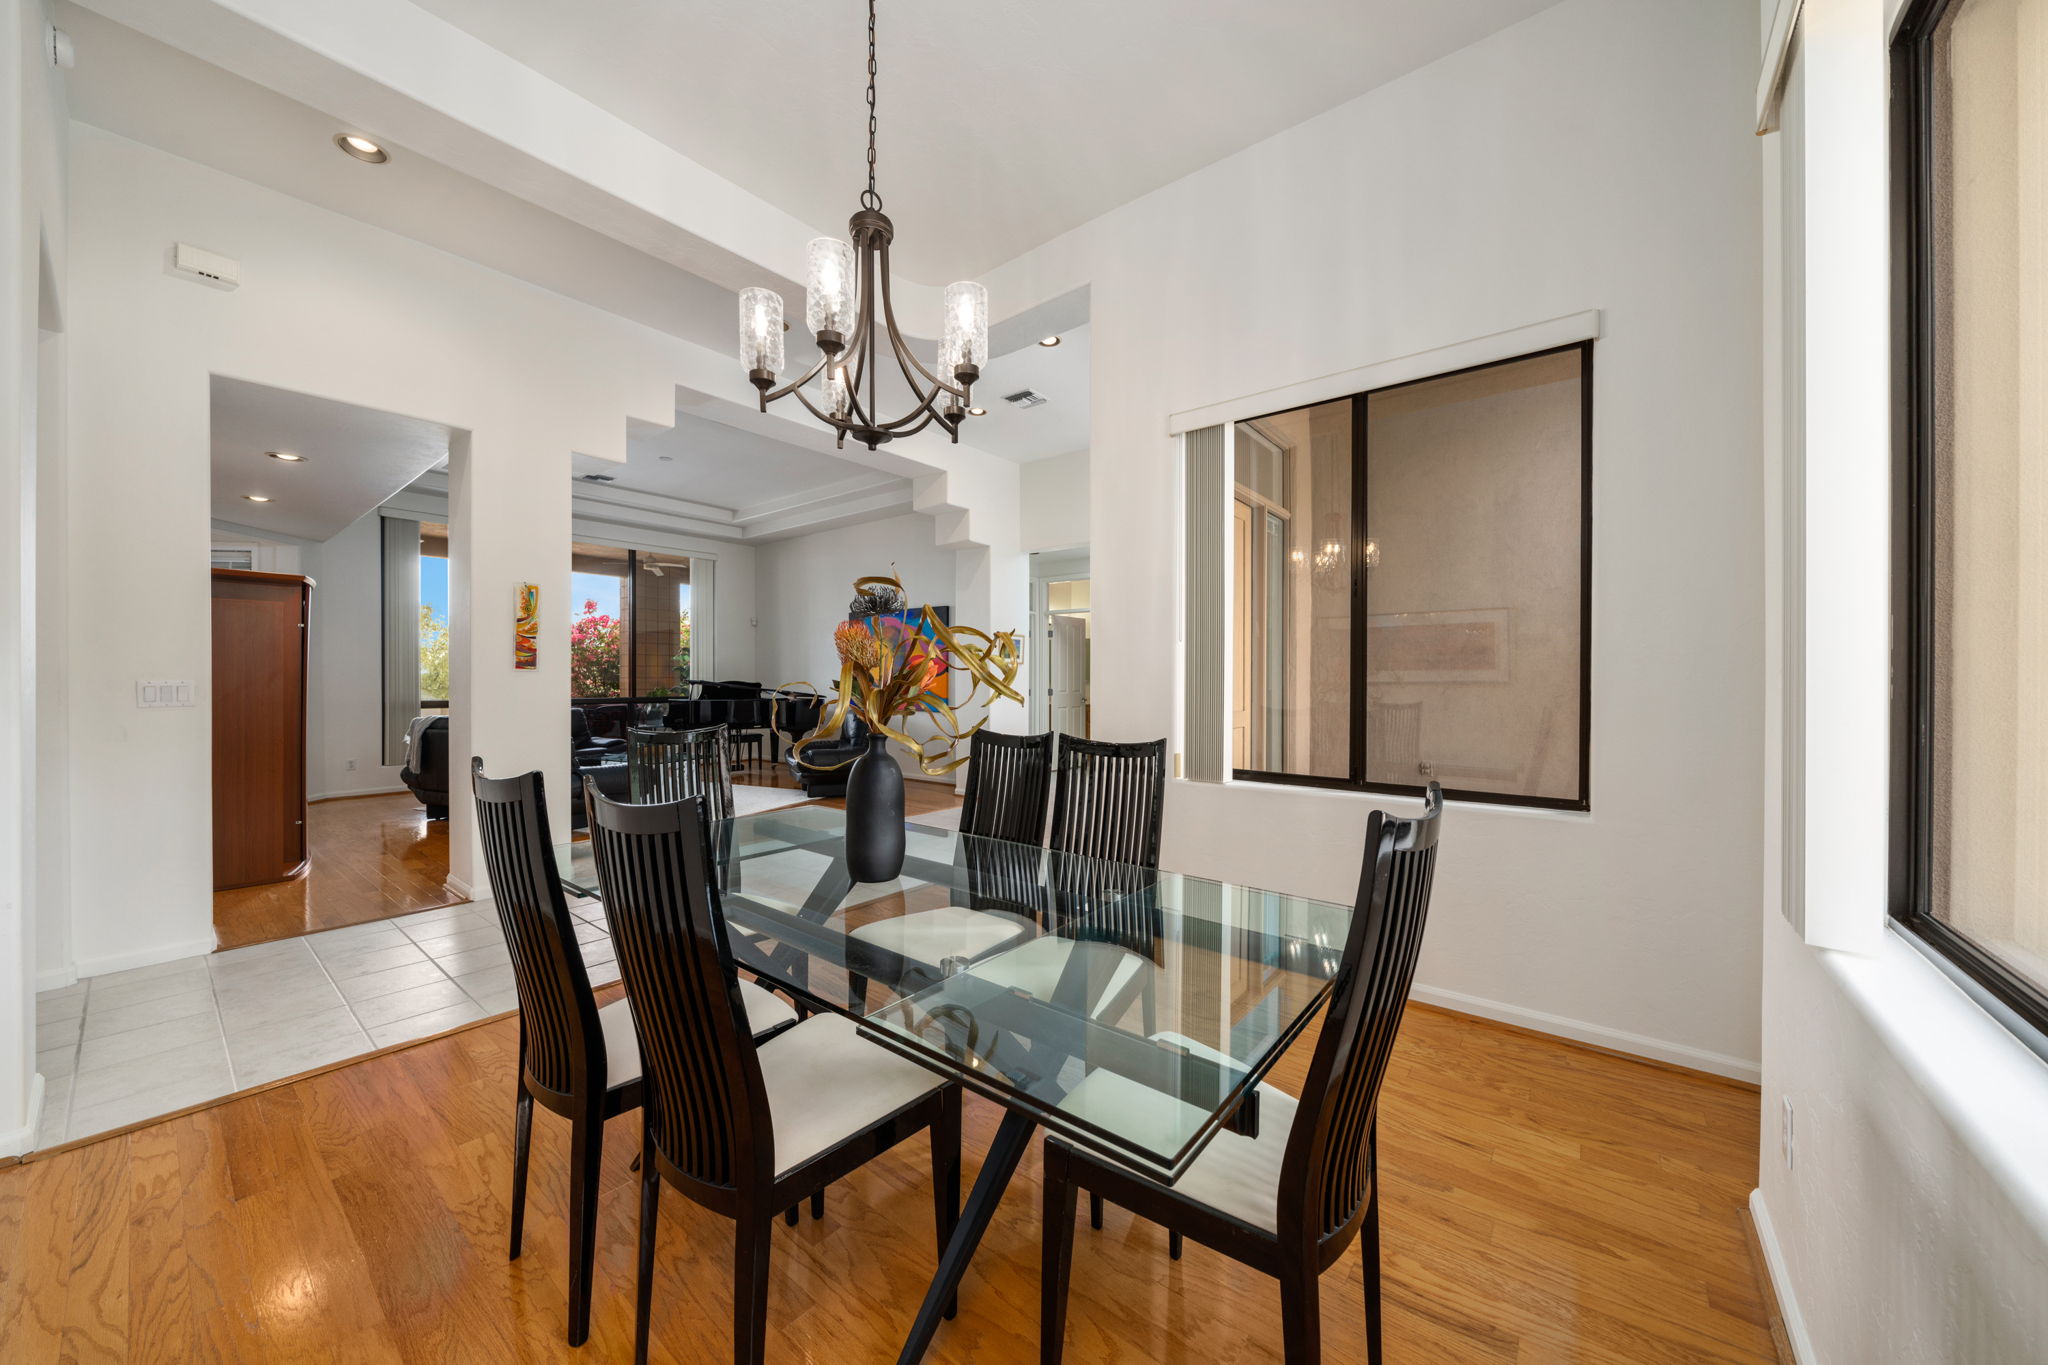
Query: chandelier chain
(871,199)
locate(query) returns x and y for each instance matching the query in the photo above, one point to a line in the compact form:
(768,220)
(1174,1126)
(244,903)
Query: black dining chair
(747,1130)
(1007,780)
(1107,800)
(1106,807)
(1291,1200)
(578,1060)
(670,765)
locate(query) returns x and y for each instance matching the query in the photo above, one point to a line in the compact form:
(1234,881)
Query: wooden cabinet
(260,624)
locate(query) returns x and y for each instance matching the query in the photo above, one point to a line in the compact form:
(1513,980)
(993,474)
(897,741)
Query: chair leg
(857,991)
(1369,1248)
(1301,1322)
(1095,1210)
(1057,1264)
(650,1220)
(789,1215)
(817,1204)
(750,1290)
(522,1146)
(1173,1245)
(586,1152)
(945,1137)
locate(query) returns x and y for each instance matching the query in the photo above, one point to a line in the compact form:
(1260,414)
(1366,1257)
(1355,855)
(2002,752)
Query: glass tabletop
(1128,1009)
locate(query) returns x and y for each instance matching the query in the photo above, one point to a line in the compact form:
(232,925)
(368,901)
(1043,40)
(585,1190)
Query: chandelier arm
(896,336)
(842,427)
(793,385)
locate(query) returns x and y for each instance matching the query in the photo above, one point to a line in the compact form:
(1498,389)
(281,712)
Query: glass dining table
(1129,1010)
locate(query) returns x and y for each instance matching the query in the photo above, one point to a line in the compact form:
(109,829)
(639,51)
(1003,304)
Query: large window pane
(1408,586)
(1472,571)
(1987,481)
(1291,600)
(661,622)
(434,613)
(599,601)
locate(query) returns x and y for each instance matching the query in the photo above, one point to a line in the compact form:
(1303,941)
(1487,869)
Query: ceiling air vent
(597,478)
(1024,398)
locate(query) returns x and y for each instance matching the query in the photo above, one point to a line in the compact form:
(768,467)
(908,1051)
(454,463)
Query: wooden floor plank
(1542,1203)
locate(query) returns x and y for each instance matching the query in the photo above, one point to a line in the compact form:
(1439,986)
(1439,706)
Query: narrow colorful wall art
(526,645)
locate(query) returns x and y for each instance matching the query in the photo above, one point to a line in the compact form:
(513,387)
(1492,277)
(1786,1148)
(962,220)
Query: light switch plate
(154,693)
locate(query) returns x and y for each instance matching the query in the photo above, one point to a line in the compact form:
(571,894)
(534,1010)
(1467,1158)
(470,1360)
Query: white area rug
(939,819)
(750,800)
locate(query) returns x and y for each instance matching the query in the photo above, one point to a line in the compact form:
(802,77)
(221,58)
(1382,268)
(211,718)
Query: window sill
(1987,1083)
(1393,801)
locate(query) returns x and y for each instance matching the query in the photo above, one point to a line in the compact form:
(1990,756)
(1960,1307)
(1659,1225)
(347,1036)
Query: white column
(508,524)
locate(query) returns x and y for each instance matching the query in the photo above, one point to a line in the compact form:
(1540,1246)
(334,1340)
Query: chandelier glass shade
(849,312)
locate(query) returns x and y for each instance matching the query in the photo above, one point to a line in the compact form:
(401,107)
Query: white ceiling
(1002,125)
(133,85)
(702,461)
(1059,426)
(356,458)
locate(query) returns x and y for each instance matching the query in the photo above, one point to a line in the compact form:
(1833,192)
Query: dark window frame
(1910,878)
(1360,691)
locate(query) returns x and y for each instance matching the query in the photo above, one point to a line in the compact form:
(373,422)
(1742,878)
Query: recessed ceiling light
(286,456)
(1048,341)
(256,497)
(977,412)
(361,148)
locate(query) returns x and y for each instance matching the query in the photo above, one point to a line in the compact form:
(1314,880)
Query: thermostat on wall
(205,266)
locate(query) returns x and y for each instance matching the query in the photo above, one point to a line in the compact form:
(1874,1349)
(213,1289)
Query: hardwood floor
(371,858)
(1543,1203)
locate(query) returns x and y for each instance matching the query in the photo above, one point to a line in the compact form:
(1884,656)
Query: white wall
(1597,156)
(1052,497)
(1910,1225)
(804,584)
(345,664)
(32,214)
(529,376)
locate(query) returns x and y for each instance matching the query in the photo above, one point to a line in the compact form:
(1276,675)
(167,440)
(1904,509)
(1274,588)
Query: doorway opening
(1062,626)
(331,758)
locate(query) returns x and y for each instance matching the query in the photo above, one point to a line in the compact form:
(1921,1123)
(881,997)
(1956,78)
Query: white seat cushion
(1036,967)
(1235,1175)
(825,1083)
(932,936)
(765,1011)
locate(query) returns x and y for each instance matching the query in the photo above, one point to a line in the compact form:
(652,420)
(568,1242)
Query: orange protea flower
(857,646)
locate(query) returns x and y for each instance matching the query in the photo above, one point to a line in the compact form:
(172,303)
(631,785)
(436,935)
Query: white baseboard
(15,1141)
(55,978)
(1781,1282)
(1635,1044)
(460,888)
(146,957)
(367,791)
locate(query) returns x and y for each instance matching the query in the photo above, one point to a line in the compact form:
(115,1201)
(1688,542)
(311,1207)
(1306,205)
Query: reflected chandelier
(844,282)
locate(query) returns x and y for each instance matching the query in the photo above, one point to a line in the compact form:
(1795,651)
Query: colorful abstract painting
(526,642)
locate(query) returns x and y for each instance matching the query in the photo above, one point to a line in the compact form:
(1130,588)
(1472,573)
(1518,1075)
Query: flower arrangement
(891,670)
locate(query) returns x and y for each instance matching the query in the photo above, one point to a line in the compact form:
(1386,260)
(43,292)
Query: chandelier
(845,281)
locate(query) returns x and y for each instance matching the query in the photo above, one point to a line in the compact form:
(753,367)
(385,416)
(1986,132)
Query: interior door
(1069,689)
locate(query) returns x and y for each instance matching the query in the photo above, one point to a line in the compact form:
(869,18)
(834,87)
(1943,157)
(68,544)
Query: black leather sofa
(813,768)
(426,764)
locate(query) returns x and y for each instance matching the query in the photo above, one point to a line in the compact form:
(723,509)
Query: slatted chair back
(1009,778)
(664,766)
(706,1107)
(1107,800)
(1326,1175)
(561,1042)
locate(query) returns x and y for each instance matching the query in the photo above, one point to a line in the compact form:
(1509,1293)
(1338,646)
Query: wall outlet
(1785,1133)
(351,765)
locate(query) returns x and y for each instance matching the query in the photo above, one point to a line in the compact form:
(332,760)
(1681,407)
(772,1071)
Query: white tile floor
(131,1045)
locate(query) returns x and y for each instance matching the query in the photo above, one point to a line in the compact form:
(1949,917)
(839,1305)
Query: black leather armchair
(426,764)
(812,769)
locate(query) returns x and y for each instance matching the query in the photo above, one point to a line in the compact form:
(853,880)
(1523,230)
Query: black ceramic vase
(874,815)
